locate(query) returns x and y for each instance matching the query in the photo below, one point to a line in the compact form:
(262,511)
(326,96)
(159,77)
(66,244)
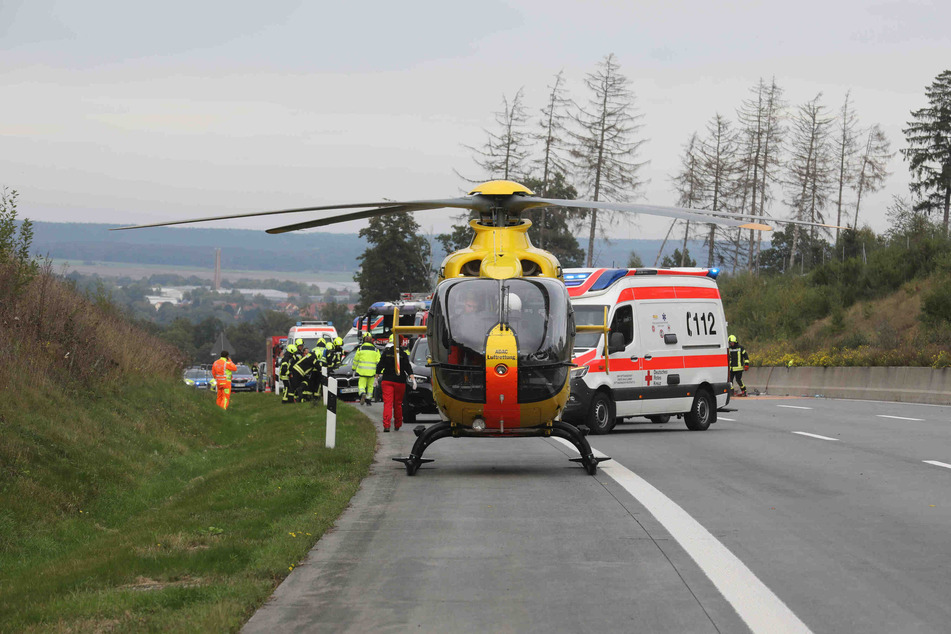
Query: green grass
(171,517)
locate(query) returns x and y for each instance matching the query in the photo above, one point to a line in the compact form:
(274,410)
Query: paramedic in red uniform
(221,370)
(393,384)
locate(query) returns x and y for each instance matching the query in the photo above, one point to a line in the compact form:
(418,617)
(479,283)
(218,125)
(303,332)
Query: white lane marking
(805,433)
(898,417)
(938,464)
(732,420)
(793,407)
(760,609)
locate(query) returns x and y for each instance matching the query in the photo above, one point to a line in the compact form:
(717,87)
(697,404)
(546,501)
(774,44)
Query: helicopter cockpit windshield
(536,311)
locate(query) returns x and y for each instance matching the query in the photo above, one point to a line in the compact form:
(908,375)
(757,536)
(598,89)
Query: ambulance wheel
(701,413)
(659,419)
(601,415)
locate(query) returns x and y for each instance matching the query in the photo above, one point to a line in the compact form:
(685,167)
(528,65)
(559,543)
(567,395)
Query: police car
(667,348)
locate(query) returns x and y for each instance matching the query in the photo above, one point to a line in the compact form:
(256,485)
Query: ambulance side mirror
(616,343)
(670,338)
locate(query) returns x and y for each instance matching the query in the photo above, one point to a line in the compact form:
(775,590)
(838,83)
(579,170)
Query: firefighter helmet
(292,348)
(732,338)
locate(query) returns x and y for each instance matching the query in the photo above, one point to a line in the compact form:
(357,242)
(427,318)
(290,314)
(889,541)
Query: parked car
(420,400)
(348,383)
(197,378)
(242,380)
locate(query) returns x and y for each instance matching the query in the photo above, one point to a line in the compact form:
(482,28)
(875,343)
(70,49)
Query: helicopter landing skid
(426,436)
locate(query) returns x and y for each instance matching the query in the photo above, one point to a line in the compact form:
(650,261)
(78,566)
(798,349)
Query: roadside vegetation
(129,501)
(887,303)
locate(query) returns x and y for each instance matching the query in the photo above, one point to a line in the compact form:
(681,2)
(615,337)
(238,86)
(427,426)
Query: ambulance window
(623,323)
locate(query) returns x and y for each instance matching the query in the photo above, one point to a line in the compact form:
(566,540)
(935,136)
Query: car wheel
(601,414)
(702,413)
(659,419)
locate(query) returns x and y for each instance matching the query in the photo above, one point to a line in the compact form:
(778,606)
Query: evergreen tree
(395,260)
(678,258)
(929,149)
(550,228)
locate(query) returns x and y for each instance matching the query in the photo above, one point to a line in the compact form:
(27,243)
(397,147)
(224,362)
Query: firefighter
(394,385)
(739,362)
(334,353)
(316,379)
(284,373)
(221,370)
(301,374)
(364,364)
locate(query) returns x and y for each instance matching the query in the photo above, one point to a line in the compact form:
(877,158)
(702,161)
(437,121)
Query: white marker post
(324,374)
(331,395)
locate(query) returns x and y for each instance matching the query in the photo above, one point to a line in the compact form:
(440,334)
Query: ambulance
(311,332)
(667,347)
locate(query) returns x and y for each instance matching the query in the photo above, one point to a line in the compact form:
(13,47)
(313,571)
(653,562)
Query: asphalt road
(787,515)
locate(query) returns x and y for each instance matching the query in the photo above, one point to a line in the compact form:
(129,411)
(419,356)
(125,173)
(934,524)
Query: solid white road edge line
(760,609)
(793,407)
(938,464)
(898,417)
(805,433)
(732,420)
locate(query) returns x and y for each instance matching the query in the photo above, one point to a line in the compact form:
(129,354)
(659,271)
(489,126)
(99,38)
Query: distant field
(119,269)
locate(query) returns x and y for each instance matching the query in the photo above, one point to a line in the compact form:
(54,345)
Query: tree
(634,261)
(719,171)
(845,147)
(929,149)
(762,130)
(554,222)
(809,168)
(392,262)
(872,169)
(15,244)
(678,258)
(688,183)
(339,314)
(506,150)
(552,163)
(605,147)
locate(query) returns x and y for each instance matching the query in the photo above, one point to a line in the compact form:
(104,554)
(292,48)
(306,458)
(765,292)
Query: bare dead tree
(506,149)
(690,188)
(719,169)
(761,121)
(872,167)
(551,136)
(605,147)
(809,171)
(845,149)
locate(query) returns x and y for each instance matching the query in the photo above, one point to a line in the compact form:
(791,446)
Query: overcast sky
(127,112)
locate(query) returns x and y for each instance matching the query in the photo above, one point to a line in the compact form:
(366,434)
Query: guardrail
(901,384)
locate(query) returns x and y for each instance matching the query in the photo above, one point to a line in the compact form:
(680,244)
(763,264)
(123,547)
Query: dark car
(348,382)
(420,400)
(197,378)
(242,380)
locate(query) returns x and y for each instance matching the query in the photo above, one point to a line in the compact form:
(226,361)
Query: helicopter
(501,327)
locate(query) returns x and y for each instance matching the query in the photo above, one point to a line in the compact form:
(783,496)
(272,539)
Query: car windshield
(194,374)
(421,351)
(243,369)
(586,315)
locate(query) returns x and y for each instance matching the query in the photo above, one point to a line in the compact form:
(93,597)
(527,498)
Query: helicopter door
(626,373)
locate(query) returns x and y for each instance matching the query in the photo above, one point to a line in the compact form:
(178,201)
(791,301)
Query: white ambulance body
(311,332)
(668,347)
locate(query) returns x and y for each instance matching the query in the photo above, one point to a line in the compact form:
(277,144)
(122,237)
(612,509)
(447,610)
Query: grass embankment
(130,502)
(156,511)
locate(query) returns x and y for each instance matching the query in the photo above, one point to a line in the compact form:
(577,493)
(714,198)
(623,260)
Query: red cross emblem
(649,377)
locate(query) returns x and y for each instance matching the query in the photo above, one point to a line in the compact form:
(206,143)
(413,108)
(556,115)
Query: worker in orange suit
(221,370)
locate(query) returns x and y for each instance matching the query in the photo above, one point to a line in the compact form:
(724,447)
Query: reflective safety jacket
(306,365)
(284,370)
(365,360)
(738,358)
(222,369)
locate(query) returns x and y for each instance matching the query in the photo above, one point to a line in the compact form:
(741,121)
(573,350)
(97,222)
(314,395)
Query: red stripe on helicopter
(668,292)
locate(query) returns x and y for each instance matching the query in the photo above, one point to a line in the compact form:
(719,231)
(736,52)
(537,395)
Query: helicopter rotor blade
(744,221)
(472,202)
(357,215)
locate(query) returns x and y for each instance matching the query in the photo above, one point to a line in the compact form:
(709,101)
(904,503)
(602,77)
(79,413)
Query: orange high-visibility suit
(221,370)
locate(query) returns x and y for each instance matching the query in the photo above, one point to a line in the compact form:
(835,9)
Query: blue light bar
(712,273)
